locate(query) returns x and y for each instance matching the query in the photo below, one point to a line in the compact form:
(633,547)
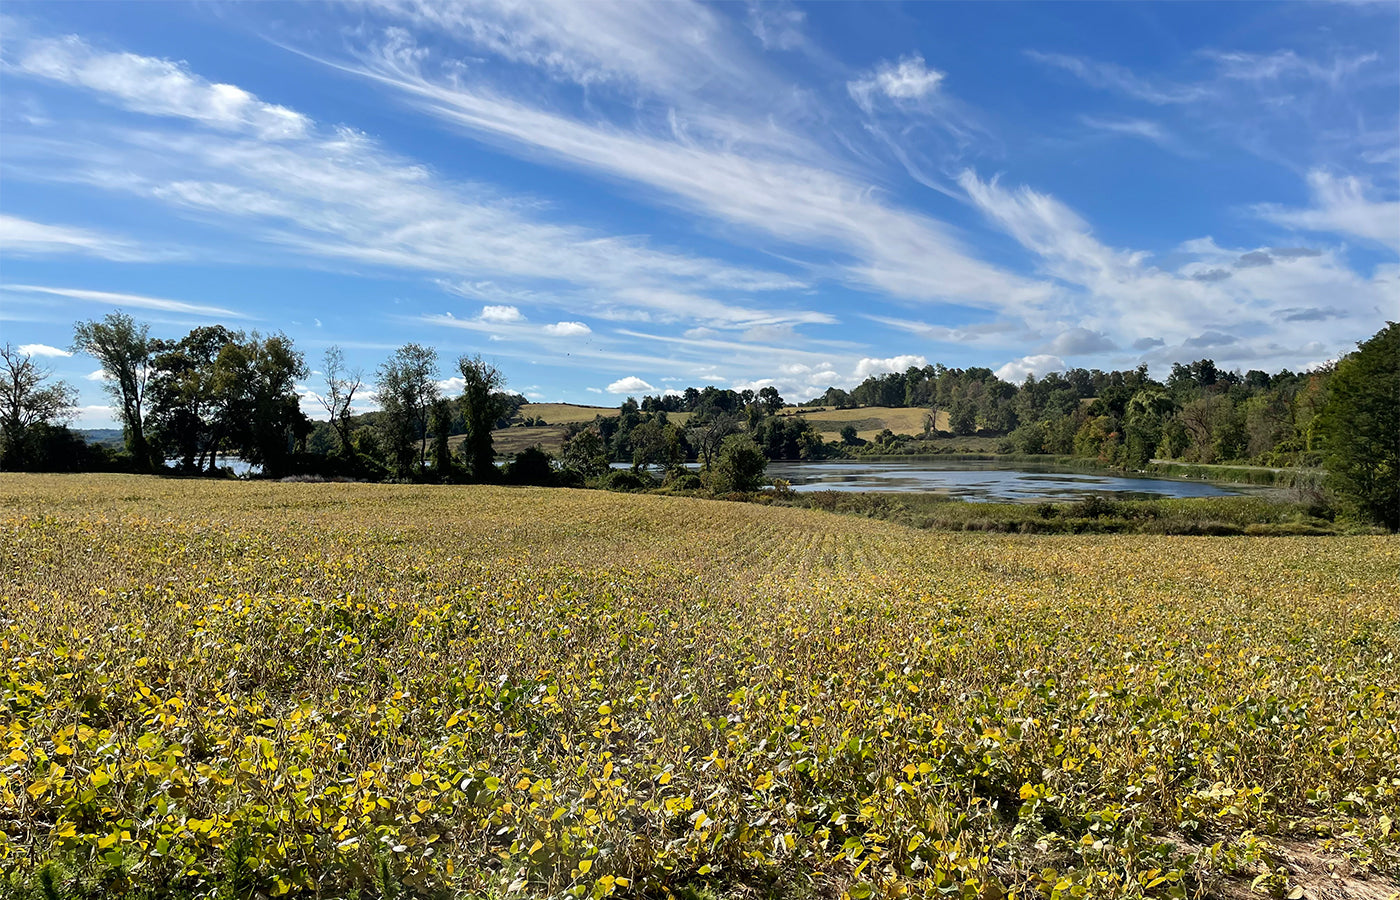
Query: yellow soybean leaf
(584,865)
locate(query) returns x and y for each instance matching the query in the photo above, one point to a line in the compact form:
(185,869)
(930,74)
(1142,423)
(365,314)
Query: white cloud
(1080,342)
(768,179)
(21,237)
(1342,204)
(1109,76)
(872,366)
(109,298)
(778,26)
(1269,311)
(652,48)
(96,375)
(42,350)
(629,385)
(157,87)
(908,79)
(1283,63)
(567,329)
(336,194)
(1017,370)
(1145,129)
(501,314)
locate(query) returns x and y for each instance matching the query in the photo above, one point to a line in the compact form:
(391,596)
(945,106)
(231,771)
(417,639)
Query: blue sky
(609,199)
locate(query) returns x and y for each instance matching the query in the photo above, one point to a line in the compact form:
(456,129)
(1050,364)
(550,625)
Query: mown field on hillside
(868,421)
(252,689)
(550,436)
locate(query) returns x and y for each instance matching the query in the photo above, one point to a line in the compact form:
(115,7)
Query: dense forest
(185,404)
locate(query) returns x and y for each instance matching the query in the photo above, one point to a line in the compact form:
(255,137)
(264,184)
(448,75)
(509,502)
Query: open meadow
(257,689)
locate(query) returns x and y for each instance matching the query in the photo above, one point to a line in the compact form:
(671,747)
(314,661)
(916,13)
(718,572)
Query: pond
(985,481)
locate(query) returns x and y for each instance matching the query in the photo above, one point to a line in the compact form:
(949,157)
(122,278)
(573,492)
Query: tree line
(185,404)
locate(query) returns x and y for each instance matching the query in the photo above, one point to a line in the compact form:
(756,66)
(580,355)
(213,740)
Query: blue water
(984,481)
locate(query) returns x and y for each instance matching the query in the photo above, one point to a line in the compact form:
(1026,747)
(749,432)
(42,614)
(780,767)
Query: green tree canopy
(1361,425)
(482,406)
(739,467)
(123,348)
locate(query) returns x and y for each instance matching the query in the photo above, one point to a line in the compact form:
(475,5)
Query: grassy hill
(566,413)
(550,436)
(868,421)
(301,689)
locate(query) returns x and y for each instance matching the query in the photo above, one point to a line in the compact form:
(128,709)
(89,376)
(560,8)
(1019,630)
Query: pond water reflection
(984,481)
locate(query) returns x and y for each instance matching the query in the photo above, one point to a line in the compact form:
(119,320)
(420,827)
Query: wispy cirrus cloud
(1342,204)
(335,193)
(1120,79)
(791,196)
(134,301)
(1120,299)
(156,86)
(22,237)
(1143,129)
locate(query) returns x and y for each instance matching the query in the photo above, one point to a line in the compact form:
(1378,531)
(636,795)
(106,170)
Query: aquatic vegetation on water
(312,689)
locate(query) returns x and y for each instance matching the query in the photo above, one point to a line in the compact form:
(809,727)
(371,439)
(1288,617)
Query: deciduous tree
(406,390)
(123,348)
(26,401)
(481,407)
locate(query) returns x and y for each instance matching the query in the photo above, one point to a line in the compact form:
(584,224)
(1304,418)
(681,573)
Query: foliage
(25,402)
(190,396)
(234,689)
(406,391)
(585,453)
(482,405)
(531,466)
(123,348)
(738,468)
(256,379)
(1362,424)
(341,386)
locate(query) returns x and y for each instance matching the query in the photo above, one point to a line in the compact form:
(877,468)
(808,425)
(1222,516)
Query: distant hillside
(868,420)
(557,417)
(112,436)
(566,413)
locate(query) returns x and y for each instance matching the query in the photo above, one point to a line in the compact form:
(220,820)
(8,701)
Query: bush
(531,466)
(740,466)
(683,480)
(623,480)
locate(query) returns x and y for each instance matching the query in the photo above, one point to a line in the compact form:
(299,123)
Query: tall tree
(257,379)
(586,453)
(706,434)
(482,408)
(406,390)
(440,423)
(123,348)
(1361,425)
(341,385)
(186,417)
(26,401)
